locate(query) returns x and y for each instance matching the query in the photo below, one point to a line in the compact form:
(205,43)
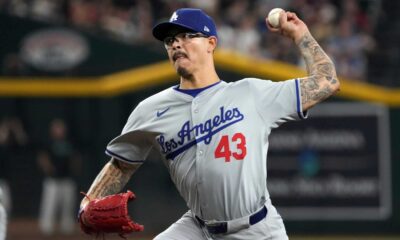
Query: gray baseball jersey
(215,144)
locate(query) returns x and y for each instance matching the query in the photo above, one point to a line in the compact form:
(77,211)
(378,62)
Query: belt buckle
(212,223)
(215,227)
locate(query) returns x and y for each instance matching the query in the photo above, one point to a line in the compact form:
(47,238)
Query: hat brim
(166,29)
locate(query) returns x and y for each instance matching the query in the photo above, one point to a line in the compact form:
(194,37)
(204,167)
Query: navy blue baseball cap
(183,20)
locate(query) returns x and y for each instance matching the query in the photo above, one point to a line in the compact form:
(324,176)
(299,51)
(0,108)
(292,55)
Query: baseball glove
(109,215)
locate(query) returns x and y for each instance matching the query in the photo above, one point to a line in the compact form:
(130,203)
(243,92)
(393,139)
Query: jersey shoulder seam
(258,110)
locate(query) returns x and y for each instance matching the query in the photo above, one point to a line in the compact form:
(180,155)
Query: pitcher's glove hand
(109,215)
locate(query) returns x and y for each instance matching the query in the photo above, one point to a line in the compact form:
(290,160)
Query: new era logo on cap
(186,19)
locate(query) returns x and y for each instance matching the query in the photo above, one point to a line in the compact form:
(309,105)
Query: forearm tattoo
(112,179)
(322,81)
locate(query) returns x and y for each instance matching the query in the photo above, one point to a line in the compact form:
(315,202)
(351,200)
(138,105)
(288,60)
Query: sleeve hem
(302,114)
(121,158)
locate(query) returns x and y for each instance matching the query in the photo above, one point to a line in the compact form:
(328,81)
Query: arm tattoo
(322,81)
(112,179)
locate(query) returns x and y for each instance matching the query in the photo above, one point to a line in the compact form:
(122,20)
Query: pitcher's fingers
(292,16)
(270,27)
(283,18)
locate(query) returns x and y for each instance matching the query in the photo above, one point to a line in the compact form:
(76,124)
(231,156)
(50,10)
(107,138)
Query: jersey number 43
(223,149)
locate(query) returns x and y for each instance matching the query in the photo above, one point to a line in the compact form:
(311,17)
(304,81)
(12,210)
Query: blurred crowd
(59,164)
(343,27)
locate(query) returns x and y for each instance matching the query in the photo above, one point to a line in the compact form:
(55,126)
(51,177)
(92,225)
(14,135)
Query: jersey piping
(112,154)
(300,113)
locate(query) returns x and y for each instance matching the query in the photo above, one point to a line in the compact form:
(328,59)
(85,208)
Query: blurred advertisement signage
(333,166)
(54,50)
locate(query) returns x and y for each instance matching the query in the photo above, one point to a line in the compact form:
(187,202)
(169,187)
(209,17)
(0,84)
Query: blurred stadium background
(90,62)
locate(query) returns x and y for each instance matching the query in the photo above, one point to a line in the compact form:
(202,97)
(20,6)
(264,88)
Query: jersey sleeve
(132,146)
(277,102)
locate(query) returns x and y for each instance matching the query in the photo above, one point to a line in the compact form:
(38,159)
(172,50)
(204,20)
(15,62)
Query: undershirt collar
(194,92)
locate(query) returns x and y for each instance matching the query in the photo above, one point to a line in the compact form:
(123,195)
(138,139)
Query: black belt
(222,227)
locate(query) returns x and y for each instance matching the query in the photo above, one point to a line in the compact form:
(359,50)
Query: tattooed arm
(111,179)
(322,81)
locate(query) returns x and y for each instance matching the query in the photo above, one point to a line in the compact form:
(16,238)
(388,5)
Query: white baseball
(273,17)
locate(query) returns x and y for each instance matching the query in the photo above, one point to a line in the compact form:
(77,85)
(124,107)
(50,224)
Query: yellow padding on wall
(162,72)
(108,85)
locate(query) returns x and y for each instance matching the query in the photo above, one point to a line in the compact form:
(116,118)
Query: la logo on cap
(174,17)
(206,29)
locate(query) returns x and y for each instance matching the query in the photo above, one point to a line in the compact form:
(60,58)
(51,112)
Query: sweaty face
(187,52)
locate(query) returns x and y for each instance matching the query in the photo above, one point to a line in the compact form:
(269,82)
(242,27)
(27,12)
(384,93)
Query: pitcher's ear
(213,41)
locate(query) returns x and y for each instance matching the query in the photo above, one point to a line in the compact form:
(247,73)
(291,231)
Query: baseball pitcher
(213,136)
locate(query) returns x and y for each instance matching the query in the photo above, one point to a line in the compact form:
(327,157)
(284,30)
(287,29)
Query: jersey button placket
(196,118)
(199,157)
(195,108)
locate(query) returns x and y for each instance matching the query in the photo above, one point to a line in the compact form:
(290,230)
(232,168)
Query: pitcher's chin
(183,72)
